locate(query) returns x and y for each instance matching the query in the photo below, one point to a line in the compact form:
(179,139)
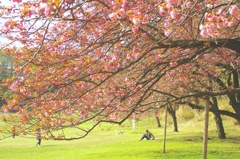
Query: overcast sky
(6,2)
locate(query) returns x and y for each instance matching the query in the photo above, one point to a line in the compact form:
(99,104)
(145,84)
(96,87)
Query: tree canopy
(79,61)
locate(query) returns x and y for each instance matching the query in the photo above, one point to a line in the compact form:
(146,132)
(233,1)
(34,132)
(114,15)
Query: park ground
(104,143)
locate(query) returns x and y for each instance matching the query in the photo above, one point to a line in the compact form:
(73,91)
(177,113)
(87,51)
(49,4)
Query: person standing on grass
(148,135)
(13,131)
(38,136)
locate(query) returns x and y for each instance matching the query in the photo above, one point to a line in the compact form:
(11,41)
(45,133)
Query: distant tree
(6,71)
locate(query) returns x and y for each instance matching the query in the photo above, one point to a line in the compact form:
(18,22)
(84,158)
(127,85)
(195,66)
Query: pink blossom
(115,58)
(209,86)
(83,86)
(51,69)
(174,14)
(220,11)
(212,18)
(167,24)
(233,10)
(219,25)
(18,1)
(172,1)
(39,35)
(62,105)
(204,33)
(169,7)
(135,29)
(182,78)
(210,28)
(170,73)
(201,27)
(122,13)
(113,16)
(136,21)
(145,19)
(163,11)
(136,55)
(225,23)
(21,79)
(113,3)
(67,1)
(83,114)
(198,7)
(76,69)
(46,114)
(231,24)
(52,49)
(5,110)
(210,6)
(40,10)
(14,86)
(214,35)
(30,12)
(39,72)
(167,32)
(48,11)
(173,64)
(137,12)
(187,50)
(207,16)
(61,11)
(7,24)
(158,57)
(125,5)
(189,4)
(72,111)
(62,121)
(144,35)
(128,57)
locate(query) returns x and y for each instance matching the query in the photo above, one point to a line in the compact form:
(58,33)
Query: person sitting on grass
(148,135)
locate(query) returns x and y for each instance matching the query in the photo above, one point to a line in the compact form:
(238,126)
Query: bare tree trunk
(157,118)
(172,112)
(158,122)
(218,120)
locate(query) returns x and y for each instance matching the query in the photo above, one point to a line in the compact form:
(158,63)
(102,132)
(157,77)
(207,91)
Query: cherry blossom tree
(94,61)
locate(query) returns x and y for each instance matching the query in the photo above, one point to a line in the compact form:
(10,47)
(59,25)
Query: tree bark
(158,122)
(218,120)
(172,112)
(234,97)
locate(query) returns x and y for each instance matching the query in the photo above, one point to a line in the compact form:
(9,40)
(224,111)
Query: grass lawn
(102,144)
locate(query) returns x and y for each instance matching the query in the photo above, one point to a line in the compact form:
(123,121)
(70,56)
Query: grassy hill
(104,143)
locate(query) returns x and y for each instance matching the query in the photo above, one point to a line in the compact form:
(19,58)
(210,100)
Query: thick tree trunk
(235,105)
(158,122)
(218,120)
(174,117)
(234,98)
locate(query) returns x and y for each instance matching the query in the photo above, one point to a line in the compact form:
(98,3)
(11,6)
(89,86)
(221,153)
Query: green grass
(186,144)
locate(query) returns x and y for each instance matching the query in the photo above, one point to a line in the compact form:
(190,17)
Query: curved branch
(212,109)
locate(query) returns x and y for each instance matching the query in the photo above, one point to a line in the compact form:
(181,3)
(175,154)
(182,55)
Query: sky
(6,2)
(3,40)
